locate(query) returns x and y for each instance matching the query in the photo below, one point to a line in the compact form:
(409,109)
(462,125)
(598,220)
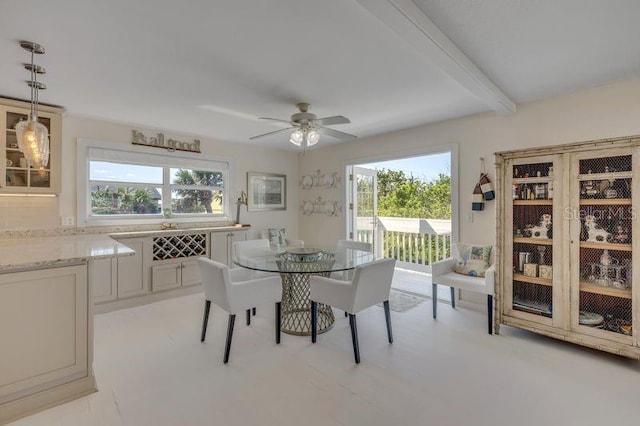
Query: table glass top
(319,258)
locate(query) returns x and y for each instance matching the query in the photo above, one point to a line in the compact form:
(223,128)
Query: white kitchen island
(46,319)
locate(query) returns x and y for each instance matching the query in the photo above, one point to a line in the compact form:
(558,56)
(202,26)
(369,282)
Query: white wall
(602,112)
(42,213)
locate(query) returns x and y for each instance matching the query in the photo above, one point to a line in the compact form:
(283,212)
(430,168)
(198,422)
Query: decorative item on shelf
(545,271)
(530,270)
(320,206)
(33,136)
(242,200)
(542,229)
(523,258)
(541,252)
(621,235)
(326,180)
(594,232)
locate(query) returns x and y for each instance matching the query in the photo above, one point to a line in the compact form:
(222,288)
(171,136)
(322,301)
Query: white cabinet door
(131,277)
(104,278)
(222,245)
(44,318)
(190,272)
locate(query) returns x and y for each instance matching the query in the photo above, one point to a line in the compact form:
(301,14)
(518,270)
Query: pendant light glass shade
(312,137)
(33,141)
(33,136)
(296,138)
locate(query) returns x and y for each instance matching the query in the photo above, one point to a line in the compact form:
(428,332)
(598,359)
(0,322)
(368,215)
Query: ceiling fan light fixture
(312,137)
(296,138)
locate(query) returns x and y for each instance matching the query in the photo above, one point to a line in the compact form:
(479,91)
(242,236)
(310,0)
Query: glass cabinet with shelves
(567,241)
(18,176)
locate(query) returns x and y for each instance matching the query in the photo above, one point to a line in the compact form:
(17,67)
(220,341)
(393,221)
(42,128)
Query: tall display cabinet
(568,238)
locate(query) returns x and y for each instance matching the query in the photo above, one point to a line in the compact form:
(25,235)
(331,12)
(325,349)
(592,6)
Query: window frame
(91,150)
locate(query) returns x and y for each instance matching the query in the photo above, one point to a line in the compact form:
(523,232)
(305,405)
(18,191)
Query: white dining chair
(371,284)
(352,244)
(234,291)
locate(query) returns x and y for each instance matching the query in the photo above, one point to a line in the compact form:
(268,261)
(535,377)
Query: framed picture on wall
(266,191)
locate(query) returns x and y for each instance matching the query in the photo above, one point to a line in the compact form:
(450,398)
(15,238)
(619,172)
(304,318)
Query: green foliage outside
(113,199)
(196,200)
(406,196)
(409,197)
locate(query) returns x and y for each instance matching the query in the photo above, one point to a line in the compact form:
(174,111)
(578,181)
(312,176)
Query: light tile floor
(152,369)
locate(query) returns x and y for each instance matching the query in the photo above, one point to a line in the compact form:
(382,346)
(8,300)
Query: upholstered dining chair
(234,291)
(352,244)
(371,284)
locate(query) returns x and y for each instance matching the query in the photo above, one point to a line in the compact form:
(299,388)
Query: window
(138,187)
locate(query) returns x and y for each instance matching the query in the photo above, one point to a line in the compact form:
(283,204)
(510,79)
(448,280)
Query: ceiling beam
(414,27)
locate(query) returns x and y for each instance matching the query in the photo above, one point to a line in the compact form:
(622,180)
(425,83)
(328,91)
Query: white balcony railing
(414,243)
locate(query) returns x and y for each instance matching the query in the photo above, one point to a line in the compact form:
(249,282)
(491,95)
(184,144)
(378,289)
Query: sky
(425,167)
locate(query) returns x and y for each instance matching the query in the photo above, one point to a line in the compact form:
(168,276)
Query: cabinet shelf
(532,202)
(603,246)
(605,176)
(606,291)
(605,201)
(532,280)
(542,179)
(538,241)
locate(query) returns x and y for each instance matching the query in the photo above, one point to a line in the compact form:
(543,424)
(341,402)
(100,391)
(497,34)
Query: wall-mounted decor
(320,206)
(266,191)
(158,141)
(326,180)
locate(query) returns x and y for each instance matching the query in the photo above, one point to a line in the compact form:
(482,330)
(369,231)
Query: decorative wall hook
(326,180)
(320,206)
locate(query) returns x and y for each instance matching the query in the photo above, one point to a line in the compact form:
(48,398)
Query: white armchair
(370,285)
(442,274)
(234,291)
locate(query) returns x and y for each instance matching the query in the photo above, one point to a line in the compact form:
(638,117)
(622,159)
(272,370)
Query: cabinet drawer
(165,277)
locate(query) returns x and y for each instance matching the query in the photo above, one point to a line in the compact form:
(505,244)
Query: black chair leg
(248,316)
(453,297)
(314,321)
(354,337)
(227,349)
(387,316)
(207,307)
(490,312)
(254,311)
(346,314)
(434,296)
(278,314)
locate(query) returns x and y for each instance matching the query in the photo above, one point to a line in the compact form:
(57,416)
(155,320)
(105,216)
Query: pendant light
(33,136)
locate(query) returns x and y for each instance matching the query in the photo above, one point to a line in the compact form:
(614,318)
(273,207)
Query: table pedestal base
(296,306)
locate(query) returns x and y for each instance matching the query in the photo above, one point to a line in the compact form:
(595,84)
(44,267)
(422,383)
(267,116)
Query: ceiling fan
(308,127)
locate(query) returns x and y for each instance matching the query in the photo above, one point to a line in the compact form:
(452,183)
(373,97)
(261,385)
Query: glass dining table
(296,266)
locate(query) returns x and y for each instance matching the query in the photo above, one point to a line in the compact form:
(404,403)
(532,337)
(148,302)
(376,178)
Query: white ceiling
(209,68)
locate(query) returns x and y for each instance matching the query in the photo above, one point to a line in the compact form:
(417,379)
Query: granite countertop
(42,252)
(178,231)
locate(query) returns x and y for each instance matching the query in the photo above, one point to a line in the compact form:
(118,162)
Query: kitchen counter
(179,231)
(45,252)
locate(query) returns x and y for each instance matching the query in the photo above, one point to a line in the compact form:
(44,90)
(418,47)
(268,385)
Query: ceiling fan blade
(336,134)
(270,133)
(274,119)
(328,121)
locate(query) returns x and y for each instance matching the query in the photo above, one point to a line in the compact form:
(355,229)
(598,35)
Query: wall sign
(158,141)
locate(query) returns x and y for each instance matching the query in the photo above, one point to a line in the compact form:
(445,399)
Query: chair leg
(354,337)
(490,312)
(278,314)
(314,321)
(205,320)
(434,296)
(227,349)
(248,316)
(387,316)
(346,314)
(453,297)
(253,311)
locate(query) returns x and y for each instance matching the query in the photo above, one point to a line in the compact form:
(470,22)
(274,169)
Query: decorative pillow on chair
(276,237)
(472,260)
